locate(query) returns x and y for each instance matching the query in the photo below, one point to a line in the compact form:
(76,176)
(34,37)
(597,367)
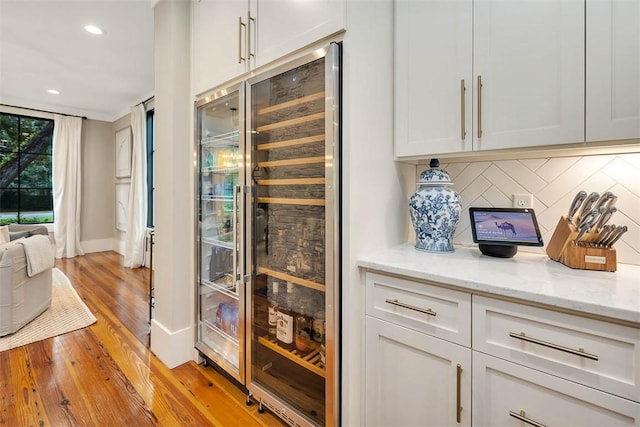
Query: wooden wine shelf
(293,162)
(311,361)
(285,201)
(290,278)
(284,105)
(291,142)
(291,122)
(292,181)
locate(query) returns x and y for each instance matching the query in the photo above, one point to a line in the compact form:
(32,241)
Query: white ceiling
(43,45)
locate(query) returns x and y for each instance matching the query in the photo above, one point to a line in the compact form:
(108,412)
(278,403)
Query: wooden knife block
(562,249)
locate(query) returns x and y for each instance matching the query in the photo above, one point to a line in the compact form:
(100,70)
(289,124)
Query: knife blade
(575,205)
(587,206)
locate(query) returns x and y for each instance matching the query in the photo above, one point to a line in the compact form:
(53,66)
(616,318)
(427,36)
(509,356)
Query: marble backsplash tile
(553,182)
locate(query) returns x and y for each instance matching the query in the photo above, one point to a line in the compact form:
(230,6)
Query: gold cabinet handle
(463,131)
(458,381)
(479,106)
(520,416)
(410,307)
(579,352)
(240,25)
(250,20)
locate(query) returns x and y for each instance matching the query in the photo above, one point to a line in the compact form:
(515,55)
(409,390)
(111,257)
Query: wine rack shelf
(291,122)
(291,142)
(299,101)
(292,181)
(290,278)
(284,201)
(292,162)
(310,361)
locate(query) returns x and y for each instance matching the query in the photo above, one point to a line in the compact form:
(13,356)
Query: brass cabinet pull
(463,131)
(458,403)
(579,352)
(479,106)
(521,417)
(250,20)
(410,307)
(240,25)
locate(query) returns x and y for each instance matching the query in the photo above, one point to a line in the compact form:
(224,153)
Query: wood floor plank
(105,374)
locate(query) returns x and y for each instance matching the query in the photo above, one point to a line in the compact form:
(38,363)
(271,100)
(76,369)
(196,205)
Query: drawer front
(433,310)
(507,394)
(596,353)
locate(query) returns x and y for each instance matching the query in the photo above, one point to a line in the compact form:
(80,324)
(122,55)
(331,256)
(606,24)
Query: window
(26,191)
(150,180)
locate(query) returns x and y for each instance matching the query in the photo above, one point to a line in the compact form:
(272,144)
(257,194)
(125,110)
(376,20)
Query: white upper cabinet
(613,69)
(433,76)
(231,37)
(283,26)
(219,42)
(528,56)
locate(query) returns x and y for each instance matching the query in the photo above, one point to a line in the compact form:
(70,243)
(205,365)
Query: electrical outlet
(522,200)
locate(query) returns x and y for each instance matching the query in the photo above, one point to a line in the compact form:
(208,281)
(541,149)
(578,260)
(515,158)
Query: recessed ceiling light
(93,29)
(53,92)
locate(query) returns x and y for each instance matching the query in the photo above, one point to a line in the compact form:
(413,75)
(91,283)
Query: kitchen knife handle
(479,106)
(463,131)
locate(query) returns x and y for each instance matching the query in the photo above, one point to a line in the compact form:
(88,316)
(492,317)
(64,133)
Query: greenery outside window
(26,190)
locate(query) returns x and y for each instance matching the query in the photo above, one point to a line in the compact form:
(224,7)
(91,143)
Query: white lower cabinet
(508,394)
(523,365)
(413,379)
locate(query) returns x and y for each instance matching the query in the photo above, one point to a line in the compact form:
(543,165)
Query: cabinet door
(219,42)
(433,77)
(613,69)
(505,394)
(413,379)
(283,26)
(530,58)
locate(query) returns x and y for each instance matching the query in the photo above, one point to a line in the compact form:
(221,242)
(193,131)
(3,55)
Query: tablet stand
(499,251)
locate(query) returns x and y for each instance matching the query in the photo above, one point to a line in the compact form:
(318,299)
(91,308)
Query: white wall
(374,186)
(171,329)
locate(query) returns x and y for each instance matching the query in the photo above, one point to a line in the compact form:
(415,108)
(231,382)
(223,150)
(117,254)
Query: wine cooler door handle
(237,222)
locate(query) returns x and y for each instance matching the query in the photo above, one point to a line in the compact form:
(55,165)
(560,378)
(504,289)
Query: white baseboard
(99,245)
(172,348)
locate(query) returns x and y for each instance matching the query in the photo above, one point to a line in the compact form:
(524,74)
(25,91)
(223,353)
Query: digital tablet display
(505,226)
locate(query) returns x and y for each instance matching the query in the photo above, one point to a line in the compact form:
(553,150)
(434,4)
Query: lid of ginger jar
(434,176)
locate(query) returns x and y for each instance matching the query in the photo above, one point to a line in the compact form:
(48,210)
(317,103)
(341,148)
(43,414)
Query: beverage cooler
(268,237)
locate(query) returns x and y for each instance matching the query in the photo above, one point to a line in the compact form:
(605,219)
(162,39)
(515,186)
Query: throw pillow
(4,234)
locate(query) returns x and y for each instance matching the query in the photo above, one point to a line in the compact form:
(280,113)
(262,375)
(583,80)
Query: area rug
(67,313)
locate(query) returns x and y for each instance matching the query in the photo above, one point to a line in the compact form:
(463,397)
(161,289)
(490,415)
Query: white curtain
(137,206)
(67,185)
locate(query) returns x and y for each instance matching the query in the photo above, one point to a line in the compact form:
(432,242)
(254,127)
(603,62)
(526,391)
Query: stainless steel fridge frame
(239,208)
(244,268)
(331,54)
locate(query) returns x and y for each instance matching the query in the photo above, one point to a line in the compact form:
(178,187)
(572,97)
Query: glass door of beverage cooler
(220,302)
(295,248)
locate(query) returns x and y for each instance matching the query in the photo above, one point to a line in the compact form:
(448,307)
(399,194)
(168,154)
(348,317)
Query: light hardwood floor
(105,375)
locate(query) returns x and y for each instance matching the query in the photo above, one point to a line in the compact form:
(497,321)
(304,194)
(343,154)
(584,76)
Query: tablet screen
(505,226)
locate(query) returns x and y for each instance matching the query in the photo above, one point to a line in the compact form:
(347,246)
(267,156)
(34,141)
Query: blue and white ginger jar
(435,210)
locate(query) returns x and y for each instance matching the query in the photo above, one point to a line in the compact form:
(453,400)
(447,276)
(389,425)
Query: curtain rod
(146,100)
(43,111)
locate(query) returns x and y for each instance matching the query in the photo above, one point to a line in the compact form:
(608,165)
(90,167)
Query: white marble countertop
(526,276)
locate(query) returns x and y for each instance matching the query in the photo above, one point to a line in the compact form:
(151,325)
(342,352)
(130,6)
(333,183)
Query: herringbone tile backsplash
(553,183)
